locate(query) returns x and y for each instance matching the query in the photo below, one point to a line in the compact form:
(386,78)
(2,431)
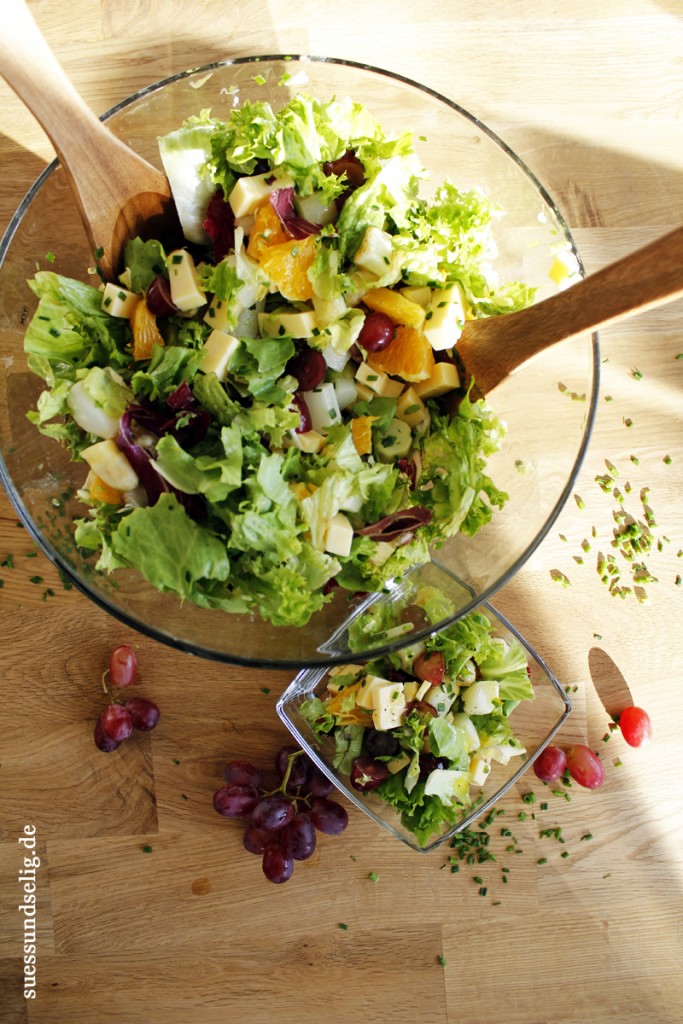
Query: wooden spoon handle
(32,70)
(493,348)
(645,278)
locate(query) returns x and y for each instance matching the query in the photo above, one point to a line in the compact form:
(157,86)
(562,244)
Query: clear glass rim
(329,657)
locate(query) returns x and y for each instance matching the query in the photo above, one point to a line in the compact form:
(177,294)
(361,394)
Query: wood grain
(190,932)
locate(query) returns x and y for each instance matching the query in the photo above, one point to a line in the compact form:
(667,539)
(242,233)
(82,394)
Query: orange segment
(361,431)
(395,306)
(146,334)
(99,491)
(266,232)
(409,355)
(287,264)
(338,705)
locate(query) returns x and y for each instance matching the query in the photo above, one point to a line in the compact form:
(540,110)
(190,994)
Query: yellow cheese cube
(185,290)
(378,381)
(118,301)
(216,315)
(109,463)
(218,350)
(338,535)
(369,684)
(446,315)
(410,408)
(389,705)
(250,192)
(444,378)
(294,325)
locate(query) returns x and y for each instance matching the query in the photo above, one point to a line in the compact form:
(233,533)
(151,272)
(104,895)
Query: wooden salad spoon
(119,195)
(491,349)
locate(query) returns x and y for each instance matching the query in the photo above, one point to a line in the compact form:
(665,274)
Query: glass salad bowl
(471,731)
(546,436)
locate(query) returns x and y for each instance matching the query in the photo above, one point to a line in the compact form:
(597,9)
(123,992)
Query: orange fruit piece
(361,431)
(396,306)
(409,355)
(99,491)
(266,232)
(287,264)
(146,334)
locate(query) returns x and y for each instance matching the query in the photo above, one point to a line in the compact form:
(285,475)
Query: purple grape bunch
(281,824)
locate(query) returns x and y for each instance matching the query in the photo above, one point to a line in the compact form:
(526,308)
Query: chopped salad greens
(421,727)
(271,409)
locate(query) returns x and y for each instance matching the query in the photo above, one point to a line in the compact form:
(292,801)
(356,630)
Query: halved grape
(367,774)
(430,667)
(309,368)
(159,299)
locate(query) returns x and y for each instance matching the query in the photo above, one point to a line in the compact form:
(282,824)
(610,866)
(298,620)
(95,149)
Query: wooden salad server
(492,348)
(119,195)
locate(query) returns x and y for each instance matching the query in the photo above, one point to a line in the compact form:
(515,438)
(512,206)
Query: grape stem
(290,761)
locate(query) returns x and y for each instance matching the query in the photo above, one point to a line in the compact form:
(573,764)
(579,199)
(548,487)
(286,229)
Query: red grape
(636,727)
(421,706)
(102,741)
(117,723)
(277,864)
(430,668)
(123,666)
(377,332)
(367,774)
(235,801)
(305,421)
(584,767)
(380,743)
(242,773)
(272,812)
(328,816)
(318,783)
(159,299)
(550,764)
(144,713)
(255,840)
(309,368)
(299,836)
(300,766)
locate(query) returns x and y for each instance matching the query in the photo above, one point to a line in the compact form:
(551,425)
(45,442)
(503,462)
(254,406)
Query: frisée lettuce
(248,439)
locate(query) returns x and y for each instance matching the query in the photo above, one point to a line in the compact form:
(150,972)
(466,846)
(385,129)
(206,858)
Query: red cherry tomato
(636,727)
(585,767)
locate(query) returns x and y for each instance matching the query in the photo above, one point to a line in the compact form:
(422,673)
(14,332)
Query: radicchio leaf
(219,224)
(398,526)
(282,201)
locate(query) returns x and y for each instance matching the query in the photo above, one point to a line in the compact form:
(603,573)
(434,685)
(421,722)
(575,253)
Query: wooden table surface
(189,932)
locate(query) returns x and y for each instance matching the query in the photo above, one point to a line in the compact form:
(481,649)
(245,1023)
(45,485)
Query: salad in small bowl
(427,738)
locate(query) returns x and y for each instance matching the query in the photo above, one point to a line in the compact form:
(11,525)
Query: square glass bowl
(534,723)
